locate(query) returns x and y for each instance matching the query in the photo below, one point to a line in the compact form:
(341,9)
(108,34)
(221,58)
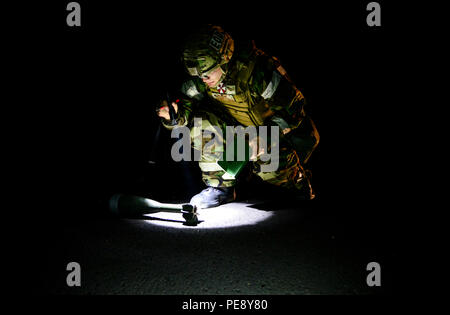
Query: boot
(213,197)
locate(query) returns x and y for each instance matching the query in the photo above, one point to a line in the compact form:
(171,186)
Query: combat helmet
(206,49)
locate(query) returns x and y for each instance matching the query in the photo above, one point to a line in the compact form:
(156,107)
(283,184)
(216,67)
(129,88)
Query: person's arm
(191,95)
(272,86)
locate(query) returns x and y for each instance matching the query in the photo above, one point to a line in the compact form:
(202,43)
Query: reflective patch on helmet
(217,40)
(188,88)
(272,87)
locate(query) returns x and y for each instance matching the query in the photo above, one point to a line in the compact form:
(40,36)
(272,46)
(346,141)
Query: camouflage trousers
(293,153)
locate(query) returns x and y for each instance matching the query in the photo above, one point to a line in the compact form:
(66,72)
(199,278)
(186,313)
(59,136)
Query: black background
(99,85)
(88,106)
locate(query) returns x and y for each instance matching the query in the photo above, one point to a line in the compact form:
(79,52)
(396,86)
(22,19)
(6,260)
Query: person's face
(212,78)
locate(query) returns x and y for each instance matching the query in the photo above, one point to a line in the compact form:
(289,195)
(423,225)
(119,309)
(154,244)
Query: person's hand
(163,110)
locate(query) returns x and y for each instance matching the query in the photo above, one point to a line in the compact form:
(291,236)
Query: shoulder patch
(272,86)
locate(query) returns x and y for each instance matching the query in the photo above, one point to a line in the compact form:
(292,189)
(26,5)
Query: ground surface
(289,251)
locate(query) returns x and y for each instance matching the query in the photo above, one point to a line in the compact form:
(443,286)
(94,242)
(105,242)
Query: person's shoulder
(247,51)
(252,60)
(264,65)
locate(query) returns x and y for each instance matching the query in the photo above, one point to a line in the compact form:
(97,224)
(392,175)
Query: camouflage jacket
(255,91)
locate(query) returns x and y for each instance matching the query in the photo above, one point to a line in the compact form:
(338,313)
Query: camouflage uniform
(255,91)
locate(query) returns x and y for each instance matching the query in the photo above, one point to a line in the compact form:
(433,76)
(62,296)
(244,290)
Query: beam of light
(228,215)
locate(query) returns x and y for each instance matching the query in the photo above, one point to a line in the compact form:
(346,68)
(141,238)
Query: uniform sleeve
(191,95)
(271,85)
